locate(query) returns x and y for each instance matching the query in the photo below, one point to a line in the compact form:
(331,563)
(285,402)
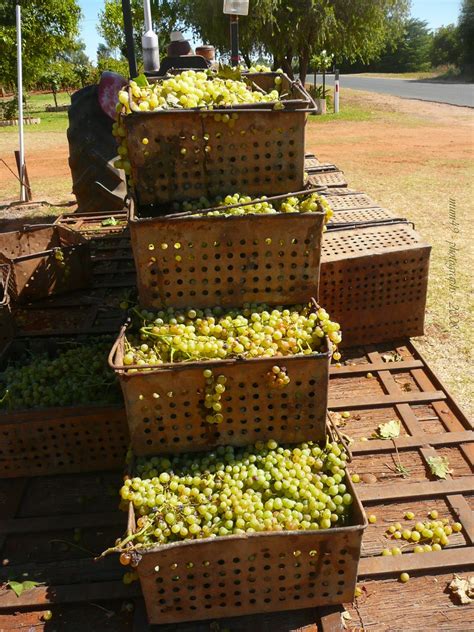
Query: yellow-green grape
(355,478)
(419,549)
(254,331)
(194,89)
(265,487)
(47,615)
(357,592)
(386,552)
(456,527)
(345,415)
(406,534)
(372,519)
(396,551)
(433,514)
(409,515)
(404,577)
(76,375)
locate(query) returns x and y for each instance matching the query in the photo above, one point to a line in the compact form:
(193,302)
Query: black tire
(96,183)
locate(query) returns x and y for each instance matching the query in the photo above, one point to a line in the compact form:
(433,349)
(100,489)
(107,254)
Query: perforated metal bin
(210,261)
(165,403)
(249,574)
(7,328)
(374,281)
(45,260)
(189,154)
(58,439)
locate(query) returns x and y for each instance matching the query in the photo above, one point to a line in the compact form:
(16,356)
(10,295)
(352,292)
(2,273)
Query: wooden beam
(424,489)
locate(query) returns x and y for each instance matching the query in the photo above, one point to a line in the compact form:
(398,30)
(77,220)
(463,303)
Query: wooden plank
(76,593)
(376,493)
(51,523)
(464,514)
(461,558)
(374,401)
(350,369)
(71,571)
(383,445)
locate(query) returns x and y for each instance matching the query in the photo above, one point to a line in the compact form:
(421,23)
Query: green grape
(213,334)
(236,490)
(76,375)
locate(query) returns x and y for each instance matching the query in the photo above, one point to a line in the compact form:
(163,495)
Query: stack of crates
(196,260)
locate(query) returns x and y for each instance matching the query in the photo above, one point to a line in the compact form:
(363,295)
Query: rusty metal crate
(7,328)
(249,574)
(359,216)
(165,403)
(374,281)
(209,261)
(97,225)
(45,260)
(261,153)
(59,440)
(349,201)
(327,176)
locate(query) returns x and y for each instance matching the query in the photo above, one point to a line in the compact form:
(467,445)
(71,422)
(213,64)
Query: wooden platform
(52,527)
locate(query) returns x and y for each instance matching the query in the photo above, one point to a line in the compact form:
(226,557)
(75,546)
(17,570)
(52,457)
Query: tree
(466,35)
(111,26)
(445,46)
(48,27)
(285,29)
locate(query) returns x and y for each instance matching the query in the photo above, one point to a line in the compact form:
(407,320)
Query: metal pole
(151,53)
(336,91)
(20,103)
(128,27)
(234,40)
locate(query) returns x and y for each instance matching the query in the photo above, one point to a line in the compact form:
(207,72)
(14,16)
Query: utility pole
(336,91)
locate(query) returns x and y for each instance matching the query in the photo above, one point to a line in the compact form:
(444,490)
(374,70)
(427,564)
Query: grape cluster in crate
(224,365)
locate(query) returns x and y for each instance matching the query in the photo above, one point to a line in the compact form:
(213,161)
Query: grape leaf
(228,72)
(110,221)
(141,81)
(462,588)
(439,466)
(390,430)
(19,587)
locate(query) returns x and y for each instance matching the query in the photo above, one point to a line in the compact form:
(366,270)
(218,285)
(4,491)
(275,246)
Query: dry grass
(417,159)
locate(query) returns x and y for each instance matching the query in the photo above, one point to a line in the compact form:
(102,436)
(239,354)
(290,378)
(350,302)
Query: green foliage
(48,27)
(446,46)
(20,587)
(164,16)
(439,466)
(409,53)
(466,35)
(322,62)
(389,430)
(285,30)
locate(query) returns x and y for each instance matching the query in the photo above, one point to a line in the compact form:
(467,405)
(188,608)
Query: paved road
(453,93)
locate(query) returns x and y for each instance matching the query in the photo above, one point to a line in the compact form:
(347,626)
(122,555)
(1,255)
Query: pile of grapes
(312,203)
(194,89)
(78,375)
(265,487)
(256,331)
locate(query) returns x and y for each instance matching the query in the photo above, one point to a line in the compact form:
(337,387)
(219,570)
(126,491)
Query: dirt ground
(413,157)
(417,159)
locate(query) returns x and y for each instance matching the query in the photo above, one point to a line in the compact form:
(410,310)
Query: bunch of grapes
(256,331)
(193,89)
(278,377)
(265,487)
(312,203)
(75,376)
(214,390)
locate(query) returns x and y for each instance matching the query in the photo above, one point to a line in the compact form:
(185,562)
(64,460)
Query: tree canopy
(48,28)
(466,35)
(284,29)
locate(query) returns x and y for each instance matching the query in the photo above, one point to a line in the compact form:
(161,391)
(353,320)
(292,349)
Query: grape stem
(118,548)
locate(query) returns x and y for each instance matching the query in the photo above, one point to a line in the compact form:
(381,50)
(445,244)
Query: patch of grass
(50,121)
(348,112)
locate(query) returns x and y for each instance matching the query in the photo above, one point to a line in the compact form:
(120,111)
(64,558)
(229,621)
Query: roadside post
(336,91)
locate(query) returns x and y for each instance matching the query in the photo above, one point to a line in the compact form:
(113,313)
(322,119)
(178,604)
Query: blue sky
(435,12)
